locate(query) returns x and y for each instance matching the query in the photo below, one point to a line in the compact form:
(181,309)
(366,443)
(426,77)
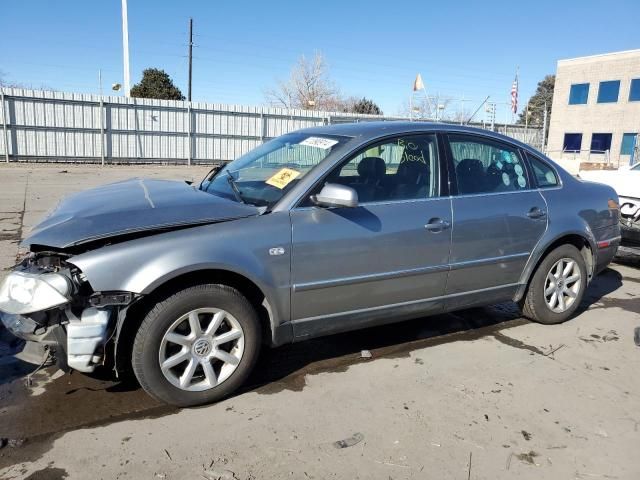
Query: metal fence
(42,126)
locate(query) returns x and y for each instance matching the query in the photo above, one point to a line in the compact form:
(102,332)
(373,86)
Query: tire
(537,306)
(168,332)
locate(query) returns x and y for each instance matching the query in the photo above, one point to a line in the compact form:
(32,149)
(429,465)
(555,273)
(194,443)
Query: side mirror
(336,195)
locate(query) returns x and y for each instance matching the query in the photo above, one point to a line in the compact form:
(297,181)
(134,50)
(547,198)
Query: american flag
(514,95)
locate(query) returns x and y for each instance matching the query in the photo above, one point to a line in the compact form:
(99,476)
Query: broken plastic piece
(349,442)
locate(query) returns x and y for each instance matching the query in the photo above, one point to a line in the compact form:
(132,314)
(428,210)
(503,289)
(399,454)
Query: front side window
(600,142)
(402,168)
(485,166)
(608,91)
(542,172)
(579,94)
(628,142)
(572,142)
(634,91)
(262,176)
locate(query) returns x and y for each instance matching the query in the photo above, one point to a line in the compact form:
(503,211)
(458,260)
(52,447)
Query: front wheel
(557,287)
(197,346)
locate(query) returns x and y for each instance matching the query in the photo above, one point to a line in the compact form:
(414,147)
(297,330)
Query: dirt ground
(479,394)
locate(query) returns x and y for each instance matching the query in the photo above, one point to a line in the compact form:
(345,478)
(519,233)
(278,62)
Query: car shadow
(285,367)
(603,284)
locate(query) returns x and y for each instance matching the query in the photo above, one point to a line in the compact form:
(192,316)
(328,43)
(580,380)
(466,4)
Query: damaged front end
(630,222)
(48,302)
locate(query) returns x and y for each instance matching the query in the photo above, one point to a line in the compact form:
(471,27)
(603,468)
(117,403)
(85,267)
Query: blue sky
(374,48)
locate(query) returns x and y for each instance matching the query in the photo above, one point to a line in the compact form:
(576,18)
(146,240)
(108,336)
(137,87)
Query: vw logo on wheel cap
(202,347)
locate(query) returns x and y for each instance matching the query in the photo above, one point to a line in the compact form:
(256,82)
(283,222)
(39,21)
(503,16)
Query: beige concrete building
(596,108)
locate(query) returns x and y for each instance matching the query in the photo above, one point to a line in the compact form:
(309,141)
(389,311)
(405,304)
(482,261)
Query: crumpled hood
(131,206)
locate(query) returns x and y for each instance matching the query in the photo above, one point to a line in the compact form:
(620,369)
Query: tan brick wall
(615,118)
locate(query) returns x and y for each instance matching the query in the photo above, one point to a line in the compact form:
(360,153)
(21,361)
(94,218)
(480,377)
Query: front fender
(240,246)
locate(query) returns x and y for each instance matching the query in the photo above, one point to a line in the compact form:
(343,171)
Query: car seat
(412,180)
(371,172)
(471,176)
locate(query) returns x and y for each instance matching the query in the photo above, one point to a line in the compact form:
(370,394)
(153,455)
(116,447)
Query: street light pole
(125,48)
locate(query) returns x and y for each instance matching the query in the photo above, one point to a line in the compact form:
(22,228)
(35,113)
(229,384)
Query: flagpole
(517,82)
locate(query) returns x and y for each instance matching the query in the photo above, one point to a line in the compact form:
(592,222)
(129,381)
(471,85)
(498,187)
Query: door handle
(536,212)
(437,225)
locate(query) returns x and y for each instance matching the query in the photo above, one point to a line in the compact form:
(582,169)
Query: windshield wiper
(234,187)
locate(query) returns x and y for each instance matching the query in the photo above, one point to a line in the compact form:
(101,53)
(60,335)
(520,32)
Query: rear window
(486,166)
(544,175)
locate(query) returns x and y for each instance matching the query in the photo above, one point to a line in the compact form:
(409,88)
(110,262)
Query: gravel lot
(479,394)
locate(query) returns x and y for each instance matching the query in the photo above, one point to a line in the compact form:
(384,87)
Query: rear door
(387,257)
(498,218)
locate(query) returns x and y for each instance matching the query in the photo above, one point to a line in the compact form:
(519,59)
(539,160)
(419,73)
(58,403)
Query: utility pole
(125,48)
(190,56)
(462,110)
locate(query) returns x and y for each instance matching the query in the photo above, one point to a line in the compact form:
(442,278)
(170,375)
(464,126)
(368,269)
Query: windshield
(262,176)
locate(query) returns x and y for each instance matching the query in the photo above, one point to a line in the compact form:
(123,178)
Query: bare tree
(6,83)
(309,87)
(11,84)
(457,116)
(429,108)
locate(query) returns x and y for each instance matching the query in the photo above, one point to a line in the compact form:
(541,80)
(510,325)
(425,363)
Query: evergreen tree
(156,83)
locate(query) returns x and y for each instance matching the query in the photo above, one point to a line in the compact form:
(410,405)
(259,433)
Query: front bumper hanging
(81,345)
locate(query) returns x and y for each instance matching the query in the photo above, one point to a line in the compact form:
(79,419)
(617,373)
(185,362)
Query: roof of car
(370,130)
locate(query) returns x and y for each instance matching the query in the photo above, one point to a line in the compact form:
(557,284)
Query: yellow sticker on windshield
(282,178)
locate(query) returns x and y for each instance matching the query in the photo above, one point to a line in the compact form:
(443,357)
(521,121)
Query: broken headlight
(23,293)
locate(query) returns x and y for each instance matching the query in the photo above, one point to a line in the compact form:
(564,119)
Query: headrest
(470,165)
(372,168)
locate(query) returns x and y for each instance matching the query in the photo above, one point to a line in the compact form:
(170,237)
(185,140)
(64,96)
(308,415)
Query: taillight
(604,244)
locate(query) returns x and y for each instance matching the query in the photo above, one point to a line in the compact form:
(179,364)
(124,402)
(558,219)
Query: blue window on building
(572,142)
(628,141)
(634,92)
(600,142)
(608,91)
(579,94)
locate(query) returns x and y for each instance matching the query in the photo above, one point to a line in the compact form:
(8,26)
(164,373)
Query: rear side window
(485,166)
(542,172)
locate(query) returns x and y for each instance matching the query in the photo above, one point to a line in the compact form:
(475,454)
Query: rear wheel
(197,346)
(557,287)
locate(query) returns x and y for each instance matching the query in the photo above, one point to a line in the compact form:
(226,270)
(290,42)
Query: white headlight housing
(23,293)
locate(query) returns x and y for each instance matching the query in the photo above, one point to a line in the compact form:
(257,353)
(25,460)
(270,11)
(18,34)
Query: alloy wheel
(562,285)
(201,349)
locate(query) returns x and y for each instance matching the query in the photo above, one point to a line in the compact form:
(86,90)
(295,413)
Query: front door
(383,260)
(498,218)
